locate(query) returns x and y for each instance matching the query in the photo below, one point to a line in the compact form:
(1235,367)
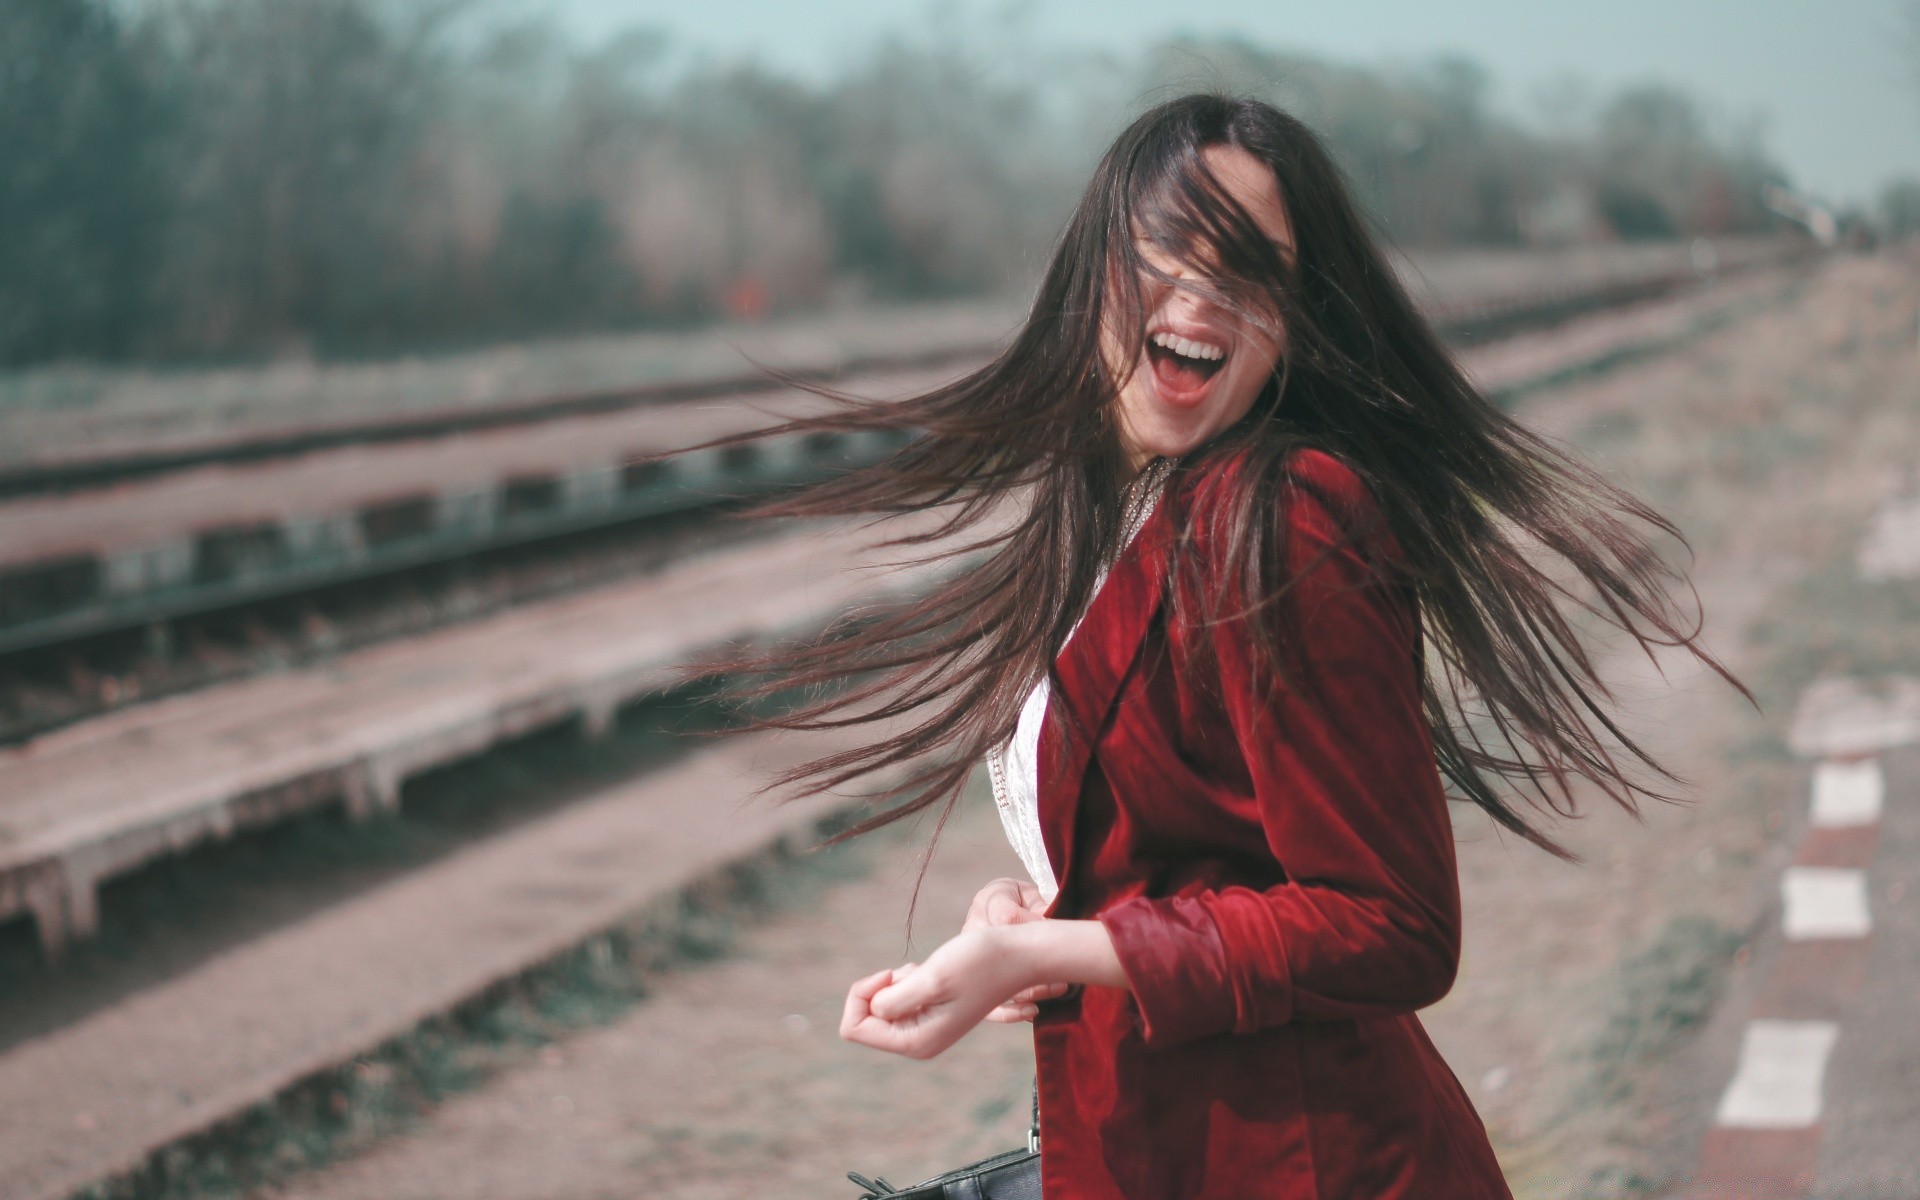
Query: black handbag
(1009,1175)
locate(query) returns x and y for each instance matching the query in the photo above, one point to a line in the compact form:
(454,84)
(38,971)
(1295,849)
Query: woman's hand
(1007,901)
(920,1009)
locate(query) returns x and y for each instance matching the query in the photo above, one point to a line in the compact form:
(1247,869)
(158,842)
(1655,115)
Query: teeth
(1187,348)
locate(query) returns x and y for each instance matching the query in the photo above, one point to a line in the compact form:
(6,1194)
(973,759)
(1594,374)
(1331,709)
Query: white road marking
(1825,902)
(1844,717)
(1777,1084)
(1892,546)
(1848,794)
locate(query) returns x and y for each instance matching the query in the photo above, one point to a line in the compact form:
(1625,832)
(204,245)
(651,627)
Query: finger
(867,986)
(859,997)
(1012,1013)
(1009,909)
(901,998)
(976,912)
(877,1034)
(918,1036)
(915,1042)
(985,899)
(1010,914)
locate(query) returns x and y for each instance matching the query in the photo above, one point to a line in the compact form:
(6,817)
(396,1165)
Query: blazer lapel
(1091,668)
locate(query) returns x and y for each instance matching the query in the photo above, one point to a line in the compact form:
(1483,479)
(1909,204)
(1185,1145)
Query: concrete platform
(149,549)
(97,799)
(96,1098)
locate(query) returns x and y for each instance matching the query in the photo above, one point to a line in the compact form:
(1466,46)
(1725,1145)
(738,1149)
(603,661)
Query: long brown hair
(1503,535)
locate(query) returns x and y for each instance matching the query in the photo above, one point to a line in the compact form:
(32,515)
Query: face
(1202,365)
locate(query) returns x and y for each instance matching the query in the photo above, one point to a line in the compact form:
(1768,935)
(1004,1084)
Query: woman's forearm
(1062,951)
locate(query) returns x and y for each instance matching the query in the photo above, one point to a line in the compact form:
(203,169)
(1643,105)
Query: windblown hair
(1503,536)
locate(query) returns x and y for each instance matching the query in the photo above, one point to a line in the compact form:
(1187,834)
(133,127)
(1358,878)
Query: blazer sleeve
(1367,922)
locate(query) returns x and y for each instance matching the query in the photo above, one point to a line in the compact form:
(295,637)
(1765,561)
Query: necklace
(1141,493)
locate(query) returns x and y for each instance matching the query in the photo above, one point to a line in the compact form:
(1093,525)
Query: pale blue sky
(1836,83)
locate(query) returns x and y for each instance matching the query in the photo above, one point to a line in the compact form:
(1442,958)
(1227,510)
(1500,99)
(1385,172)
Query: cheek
(1250,375)
(1121,368)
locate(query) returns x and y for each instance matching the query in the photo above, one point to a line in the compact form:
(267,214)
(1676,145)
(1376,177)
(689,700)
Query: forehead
(1251,183)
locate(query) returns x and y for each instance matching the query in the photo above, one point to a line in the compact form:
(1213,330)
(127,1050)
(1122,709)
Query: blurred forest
(220,179)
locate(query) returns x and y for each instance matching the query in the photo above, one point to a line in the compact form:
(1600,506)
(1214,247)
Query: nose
(1181,304)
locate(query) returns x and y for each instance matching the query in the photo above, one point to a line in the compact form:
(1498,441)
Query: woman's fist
(1005,902)
(920,1009)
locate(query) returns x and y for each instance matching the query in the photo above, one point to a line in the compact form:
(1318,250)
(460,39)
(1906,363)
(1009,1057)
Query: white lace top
(1015,767)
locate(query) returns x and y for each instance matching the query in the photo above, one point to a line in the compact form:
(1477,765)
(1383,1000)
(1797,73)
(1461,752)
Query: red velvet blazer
(1277,874)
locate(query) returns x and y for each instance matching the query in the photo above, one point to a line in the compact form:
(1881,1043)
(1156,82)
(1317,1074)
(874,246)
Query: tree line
(212,179)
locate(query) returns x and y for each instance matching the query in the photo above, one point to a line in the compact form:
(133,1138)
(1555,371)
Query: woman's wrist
(1053,950)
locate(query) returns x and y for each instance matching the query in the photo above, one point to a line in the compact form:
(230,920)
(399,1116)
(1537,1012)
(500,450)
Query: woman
(1273,568)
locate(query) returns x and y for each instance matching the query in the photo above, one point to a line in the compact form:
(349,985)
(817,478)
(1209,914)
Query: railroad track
(154,548)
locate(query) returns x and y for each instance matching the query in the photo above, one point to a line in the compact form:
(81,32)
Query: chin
(1172,445)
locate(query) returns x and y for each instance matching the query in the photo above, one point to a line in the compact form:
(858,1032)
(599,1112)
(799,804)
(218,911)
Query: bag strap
(879,1188)
(1033,1131)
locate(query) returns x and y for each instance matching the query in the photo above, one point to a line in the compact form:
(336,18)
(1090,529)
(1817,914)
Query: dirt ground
(1583,987)
(731,1079)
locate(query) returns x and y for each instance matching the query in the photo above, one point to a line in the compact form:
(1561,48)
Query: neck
(1143,478)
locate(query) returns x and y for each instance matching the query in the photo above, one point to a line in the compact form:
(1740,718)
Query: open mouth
(1182,366)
